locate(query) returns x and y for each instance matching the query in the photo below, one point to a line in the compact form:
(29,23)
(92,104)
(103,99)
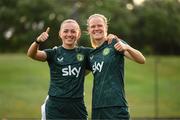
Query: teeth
(97,33)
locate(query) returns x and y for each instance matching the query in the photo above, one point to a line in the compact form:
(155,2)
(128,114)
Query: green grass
(24,85)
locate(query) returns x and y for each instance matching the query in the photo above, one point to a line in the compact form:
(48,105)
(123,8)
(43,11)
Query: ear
(60,37)
(60,34)
(88,29)
(79,35)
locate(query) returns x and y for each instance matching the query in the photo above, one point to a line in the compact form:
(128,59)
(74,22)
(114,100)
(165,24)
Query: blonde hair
(93,43)
(70,21)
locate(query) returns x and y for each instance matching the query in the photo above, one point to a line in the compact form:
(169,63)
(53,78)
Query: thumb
(47,30)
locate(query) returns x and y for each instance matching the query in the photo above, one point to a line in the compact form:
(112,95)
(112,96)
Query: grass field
(24,85)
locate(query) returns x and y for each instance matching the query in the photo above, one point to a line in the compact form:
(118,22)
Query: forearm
(135,55)
(32,51)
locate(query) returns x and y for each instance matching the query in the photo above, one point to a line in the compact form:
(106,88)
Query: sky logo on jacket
(71,71)
(97,66)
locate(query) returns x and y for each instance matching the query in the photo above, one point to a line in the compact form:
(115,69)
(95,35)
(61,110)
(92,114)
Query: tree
(152,27)
(157,27)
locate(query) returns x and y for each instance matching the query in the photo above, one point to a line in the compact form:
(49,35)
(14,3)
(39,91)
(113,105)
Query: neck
(68,46)
(99,42)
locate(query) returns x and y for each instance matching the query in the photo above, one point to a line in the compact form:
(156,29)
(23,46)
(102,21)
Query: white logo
(97,66)
(60,59)
(68,71)
(91,57)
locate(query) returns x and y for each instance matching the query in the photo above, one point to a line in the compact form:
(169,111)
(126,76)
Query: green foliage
(157,26)
(152,27)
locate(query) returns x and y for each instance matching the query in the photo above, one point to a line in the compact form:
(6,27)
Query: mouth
(97,33)
(70,39)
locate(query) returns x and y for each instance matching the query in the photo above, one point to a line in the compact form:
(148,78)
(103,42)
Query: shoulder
(51,51)
(85,49)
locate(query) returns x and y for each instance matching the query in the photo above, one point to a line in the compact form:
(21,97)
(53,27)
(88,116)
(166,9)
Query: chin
(98,38)
(70,43)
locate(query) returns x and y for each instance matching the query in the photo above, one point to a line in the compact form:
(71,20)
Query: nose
(69,33)
(96,27)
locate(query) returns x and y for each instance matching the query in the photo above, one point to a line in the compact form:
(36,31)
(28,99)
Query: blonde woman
(67,64)
(107,65)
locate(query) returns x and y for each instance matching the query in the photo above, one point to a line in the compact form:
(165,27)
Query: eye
(73,31)
(65,31)
(100,25)
(93,26)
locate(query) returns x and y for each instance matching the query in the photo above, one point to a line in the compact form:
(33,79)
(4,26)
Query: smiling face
(69,33)
(97,29)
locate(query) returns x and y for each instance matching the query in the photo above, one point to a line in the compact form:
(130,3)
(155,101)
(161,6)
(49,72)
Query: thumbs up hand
(43,36)
(120,46)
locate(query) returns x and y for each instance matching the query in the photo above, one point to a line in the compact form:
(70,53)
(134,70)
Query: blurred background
(151,26)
